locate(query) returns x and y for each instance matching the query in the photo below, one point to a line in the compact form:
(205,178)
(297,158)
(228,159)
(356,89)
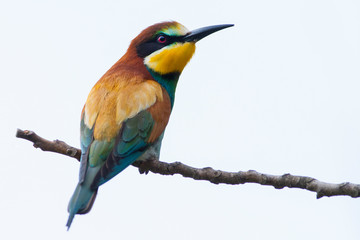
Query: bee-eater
(126,112)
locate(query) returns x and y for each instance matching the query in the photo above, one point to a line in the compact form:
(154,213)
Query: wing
(137,123)
(86,138)
(130,144)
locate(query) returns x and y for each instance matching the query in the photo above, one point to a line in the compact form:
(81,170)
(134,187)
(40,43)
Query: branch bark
(208,174)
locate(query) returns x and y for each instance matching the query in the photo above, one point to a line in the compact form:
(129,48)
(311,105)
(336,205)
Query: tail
(81,202)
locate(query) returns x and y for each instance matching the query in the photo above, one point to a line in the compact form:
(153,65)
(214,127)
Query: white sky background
(278,93)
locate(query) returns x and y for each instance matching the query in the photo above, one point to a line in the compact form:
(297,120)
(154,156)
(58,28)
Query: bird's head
(167,47)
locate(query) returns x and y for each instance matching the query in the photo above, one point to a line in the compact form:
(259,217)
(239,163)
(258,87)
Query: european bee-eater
(126,112)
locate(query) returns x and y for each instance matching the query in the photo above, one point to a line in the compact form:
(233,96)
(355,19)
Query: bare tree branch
(56,146)
(214,176)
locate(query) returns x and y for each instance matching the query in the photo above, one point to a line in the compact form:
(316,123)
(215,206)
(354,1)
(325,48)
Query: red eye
(161,39)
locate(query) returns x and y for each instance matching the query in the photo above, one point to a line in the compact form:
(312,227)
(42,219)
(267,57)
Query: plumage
(172,58)
(126,112)
(113,100)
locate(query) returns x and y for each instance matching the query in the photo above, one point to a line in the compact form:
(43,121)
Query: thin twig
(208,174)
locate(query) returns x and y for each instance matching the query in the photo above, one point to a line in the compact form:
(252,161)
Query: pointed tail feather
(70,219)
(81,202)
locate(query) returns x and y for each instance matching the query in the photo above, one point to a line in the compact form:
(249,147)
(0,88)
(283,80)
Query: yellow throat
(172,58)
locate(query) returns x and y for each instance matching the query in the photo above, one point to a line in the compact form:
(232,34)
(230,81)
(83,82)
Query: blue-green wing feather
(130,144)
(86,138)
(86,135)
(102,160)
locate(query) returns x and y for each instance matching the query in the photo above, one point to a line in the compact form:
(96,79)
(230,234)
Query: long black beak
(200,33)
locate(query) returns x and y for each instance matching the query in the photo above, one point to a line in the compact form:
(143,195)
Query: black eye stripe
(168,39)
(146,48)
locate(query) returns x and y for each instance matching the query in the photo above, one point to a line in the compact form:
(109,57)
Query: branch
(214,176)
(56,146)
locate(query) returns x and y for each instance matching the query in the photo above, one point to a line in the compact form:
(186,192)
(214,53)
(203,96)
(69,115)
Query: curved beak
(200,33)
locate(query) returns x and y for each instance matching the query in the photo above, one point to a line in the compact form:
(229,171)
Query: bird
(128,109)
